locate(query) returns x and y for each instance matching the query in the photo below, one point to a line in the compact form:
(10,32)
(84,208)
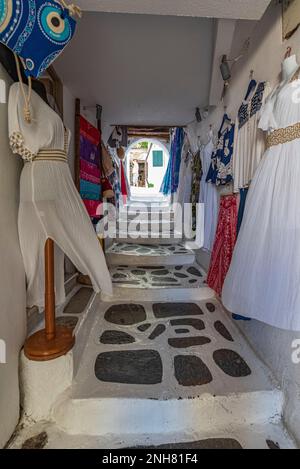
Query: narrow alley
(150,228)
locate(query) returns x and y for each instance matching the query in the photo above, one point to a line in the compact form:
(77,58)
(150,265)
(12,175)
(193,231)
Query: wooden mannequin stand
(53,341)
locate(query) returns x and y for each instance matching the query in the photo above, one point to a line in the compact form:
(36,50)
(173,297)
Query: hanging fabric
(249,141)
(224,243)
(171,180)
(220,171)
(37,30)
(209,198)
(195,194)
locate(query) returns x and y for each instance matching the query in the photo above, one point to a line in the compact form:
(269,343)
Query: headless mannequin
(7,59)
(289,67)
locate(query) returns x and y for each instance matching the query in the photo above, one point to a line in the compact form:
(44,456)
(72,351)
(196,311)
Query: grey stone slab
(119,276)
(67,321)
(272,445)
(223,331)
(79,301)
(139,367)
(116,338)
(125,314)
(209,444)
(231,363)
(194,271)
(168,310)
(179,275)
(211,307)
(159,330)
(36,442)
(138,272)
(126,282)
(164,280)
(197,324)
(160,273)
(144,327)
(187,342)
(191,371)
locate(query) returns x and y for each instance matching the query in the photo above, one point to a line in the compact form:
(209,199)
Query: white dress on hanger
(208,197)
(263,282)
(183,194)
(50,205)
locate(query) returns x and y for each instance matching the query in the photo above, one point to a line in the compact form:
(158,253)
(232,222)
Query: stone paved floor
(46,435)
(167,350)
(158,277)
(138,250)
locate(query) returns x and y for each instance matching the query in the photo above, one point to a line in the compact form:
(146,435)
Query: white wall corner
(224,36)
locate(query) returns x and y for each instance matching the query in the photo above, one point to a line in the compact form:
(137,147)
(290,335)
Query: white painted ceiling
(233,9)
(141,69)
(154,67)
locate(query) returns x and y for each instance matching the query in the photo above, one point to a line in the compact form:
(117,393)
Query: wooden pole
(53,341)
(50,326)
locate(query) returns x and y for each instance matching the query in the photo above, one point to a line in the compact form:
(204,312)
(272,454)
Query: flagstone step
(46,435)
(150,238)
(139,363)
(135,254)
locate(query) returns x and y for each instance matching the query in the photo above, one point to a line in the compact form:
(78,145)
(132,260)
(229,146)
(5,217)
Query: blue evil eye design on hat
(54,25)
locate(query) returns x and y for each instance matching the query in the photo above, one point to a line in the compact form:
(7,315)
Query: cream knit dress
(50,205)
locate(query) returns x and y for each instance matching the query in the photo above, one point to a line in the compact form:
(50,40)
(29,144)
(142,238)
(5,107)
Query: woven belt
(280,136)
(51,155)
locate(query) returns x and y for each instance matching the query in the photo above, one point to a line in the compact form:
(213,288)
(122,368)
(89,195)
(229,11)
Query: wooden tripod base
(39,348)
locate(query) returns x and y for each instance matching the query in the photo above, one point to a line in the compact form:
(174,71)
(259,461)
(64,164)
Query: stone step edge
(163,294)
(207,413)
(114,259)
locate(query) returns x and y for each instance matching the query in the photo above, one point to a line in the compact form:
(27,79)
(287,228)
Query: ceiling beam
(225,30)
(233,9)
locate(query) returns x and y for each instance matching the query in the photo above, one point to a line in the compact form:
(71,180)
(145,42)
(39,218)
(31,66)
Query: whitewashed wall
(264,57)
(12,276)
(156,174)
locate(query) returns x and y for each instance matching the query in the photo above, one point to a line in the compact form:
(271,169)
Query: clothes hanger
(226,120)
(288,52)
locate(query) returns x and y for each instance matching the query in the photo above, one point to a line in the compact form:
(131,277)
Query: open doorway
(146,164)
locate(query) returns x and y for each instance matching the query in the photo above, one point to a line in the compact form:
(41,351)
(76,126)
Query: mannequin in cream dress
(50,206)
(263,282)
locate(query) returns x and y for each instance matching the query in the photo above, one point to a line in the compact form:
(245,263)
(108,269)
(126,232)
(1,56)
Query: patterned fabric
(224,243)
(123,183)
(94,208)
(195,194)
(171,180)
(257,100)
(281,136)
(90,191)
(36,30)
(249,109)
(220,171)
(89,172)
(115,184)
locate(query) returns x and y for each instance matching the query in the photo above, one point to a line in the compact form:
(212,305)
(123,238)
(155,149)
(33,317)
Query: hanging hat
(107,191)
(37,30)
(121,153)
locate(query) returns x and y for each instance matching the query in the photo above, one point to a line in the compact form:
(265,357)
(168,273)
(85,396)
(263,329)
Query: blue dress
(220,171)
